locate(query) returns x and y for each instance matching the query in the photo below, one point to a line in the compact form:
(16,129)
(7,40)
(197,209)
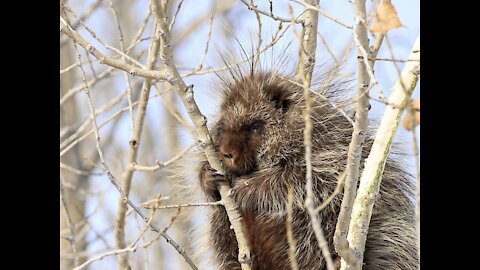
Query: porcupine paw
(209,181)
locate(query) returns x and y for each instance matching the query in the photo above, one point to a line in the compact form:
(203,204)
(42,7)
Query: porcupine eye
(256,127)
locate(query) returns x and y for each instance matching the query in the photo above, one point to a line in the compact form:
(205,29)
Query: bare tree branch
(90,83)
(375,163)
(147,73)
(356,145)
(92,8)
(124,198)
(111,118)
(134,245)
(134,143)
(186,95)
(306,63)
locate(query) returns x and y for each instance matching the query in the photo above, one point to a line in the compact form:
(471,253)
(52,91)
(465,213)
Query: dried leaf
(407,120)
(386,18)
(416,107)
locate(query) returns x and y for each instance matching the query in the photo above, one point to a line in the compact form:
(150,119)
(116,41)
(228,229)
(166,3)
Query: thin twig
(93,7)
(172,110)
(161,165)
(62,71)
(200,65)
(278,35)
(366,58)
(259,44)
(323,12)
(77,171)
(335,106)
(90,31)
(82,222)
(108,71)
(393,60)
(149,206)
(70,224)
(306,63)
(292,242)
(269,13)
(137,39)
(114,101)
(125,74)
(324,43)
(346,52)
(175,16)
(395,64)
(376,45)
(114,116)
(98,235)
(90,104)
(217,7)
(125,56)
(90,83)
(338,189)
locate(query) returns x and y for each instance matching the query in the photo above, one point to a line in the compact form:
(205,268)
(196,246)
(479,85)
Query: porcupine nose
(228,155)
(230,149)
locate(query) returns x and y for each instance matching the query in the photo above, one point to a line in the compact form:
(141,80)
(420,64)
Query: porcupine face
(250,125)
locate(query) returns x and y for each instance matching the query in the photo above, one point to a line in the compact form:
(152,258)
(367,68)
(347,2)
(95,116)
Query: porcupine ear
(279,97)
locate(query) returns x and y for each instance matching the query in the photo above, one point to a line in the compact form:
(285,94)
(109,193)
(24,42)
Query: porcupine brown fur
(258,136)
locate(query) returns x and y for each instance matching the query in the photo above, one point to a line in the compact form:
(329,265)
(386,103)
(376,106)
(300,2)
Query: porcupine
(258,136)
